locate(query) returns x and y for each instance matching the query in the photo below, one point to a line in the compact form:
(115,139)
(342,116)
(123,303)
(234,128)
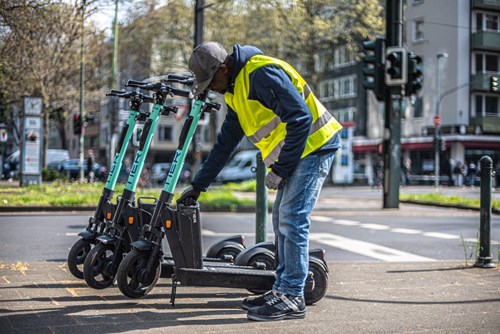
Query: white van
(241,167)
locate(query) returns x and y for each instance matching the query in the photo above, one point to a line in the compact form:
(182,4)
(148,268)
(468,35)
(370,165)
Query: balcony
(486,40)
(487,124)
(480,82)
(486,4)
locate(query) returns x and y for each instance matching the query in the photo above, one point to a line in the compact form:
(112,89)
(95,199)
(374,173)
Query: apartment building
(459,42)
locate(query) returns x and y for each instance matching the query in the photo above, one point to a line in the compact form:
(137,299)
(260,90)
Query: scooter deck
(167,265)
(229,276)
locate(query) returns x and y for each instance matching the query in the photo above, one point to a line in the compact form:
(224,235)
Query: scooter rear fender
(220,244)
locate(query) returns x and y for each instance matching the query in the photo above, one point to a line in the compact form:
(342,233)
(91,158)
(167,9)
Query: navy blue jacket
(272,87)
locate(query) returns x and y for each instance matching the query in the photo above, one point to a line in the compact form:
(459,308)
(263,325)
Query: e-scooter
(182,226)
(102,261)
(105,208)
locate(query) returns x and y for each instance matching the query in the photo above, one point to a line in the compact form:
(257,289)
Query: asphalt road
(411,234)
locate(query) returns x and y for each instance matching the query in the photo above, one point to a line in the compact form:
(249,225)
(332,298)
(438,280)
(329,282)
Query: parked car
(71,168)
(53,158)
(241,167)
(159,172)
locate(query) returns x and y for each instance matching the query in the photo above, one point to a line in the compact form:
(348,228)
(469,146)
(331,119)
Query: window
(418,30)
(491,22)
(164,133)
(491,63)
(418,108)
(491,106)
(486,105)
(343,56)
(487,21)
(487,63)
(347,88)
(345,115)
(339,88)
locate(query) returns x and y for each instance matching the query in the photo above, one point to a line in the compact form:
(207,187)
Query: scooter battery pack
(188,224)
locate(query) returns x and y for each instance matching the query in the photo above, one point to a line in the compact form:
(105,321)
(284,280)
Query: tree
(40,43)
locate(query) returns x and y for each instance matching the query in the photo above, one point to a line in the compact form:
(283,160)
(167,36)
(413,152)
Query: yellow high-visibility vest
(263,127)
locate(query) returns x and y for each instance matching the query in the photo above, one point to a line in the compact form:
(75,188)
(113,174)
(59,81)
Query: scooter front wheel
(77,255)
(96,269)
(132,278)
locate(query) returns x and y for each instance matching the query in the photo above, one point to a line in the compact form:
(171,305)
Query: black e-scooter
(182,226)
(105,208)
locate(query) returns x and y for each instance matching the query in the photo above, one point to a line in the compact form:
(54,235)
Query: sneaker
(257,301)
(280,307)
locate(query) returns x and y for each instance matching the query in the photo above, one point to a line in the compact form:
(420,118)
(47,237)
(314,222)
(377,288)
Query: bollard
(484,259)
(261,201)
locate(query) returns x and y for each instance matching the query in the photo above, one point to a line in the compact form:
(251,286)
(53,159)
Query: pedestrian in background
(90,166)
(270,103)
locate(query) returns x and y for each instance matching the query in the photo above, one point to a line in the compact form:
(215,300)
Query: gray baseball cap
(204,62)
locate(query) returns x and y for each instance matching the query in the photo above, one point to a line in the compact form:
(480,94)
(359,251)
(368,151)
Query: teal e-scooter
(105,209)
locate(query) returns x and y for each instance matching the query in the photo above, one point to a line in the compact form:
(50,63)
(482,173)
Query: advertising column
(31,146)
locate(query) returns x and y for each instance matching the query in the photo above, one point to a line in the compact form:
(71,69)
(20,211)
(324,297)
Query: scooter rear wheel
(230,251)
(263,258)
(77,255)
(96,267)
(129,274)
(320,284)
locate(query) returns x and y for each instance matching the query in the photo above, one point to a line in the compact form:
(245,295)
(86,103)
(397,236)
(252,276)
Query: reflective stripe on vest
(263,127)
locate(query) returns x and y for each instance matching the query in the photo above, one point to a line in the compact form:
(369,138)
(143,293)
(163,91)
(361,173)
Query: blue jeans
(291,222)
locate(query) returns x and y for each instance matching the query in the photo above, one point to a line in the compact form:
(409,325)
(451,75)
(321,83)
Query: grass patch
(61,194)
(437,199)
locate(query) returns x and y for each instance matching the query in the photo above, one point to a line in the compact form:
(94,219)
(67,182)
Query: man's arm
(228,139)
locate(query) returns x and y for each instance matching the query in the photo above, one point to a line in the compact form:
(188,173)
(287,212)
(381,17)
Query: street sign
(437,120)
(3,135)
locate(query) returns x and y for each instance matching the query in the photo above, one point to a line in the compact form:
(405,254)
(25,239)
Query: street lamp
(437,119)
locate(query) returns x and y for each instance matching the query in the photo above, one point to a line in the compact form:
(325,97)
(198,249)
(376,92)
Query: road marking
(406,231)
(377,227)
(440,235)
(71,234)
(367,249)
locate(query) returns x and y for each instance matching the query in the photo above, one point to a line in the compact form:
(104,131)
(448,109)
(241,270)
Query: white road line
(377,227)
(71,234)
(367,249)
(441,235)
(406,231)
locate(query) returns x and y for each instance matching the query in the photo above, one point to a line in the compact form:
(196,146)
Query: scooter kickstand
(174,290)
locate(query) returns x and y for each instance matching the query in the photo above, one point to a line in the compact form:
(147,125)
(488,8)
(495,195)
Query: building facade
(459,42)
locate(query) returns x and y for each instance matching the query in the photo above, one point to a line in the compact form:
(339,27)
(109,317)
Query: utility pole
(113,104)
(198,39)
(392,121)
(82,90)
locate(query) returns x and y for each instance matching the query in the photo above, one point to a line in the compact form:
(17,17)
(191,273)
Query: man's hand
(274,181)
(189,196)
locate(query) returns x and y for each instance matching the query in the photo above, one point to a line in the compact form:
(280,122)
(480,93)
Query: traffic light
(396,71)
(494,84)
(442,145)
(373,69)
(415,75)
(77,124)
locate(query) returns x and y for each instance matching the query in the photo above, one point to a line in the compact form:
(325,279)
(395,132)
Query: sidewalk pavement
(363,297)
